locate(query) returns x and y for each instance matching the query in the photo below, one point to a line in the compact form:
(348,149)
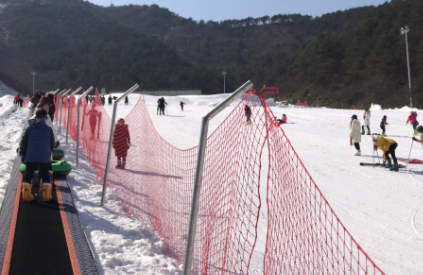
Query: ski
(379,165)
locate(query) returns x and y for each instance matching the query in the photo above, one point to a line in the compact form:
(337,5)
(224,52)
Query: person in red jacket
(412,118)
(283,120)
(121,143)
(16,99)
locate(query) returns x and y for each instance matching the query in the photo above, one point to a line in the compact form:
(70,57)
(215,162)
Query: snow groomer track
(40,237)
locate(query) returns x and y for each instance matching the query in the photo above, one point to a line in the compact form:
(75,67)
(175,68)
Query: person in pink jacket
(412,118)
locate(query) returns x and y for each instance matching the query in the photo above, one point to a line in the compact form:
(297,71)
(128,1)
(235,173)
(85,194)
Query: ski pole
(412,141)
(378,156)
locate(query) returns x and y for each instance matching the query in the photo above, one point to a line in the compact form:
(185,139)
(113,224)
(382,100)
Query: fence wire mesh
(154,180)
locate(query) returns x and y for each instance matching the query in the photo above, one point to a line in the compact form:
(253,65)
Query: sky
(217,10)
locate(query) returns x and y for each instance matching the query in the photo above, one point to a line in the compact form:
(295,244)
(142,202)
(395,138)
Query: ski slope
(382,210)
(12,119)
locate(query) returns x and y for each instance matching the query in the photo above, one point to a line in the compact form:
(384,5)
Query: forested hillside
(342,58)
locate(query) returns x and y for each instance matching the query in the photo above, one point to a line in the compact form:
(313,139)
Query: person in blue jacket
(35,150)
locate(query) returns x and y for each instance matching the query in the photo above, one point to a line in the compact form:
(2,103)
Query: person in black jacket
(383,124)
(161,104)
(35,150)
(52,108)
(182,105)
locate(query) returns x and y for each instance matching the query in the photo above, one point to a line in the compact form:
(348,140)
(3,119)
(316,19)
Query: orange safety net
(304,235)
(25,101)
(154,180)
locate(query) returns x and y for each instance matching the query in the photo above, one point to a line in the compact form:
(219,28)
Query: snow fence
(304,235)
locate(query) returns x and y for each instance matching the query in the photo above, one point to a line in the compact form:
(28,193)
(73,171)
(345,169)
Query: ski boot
(123,165)
(383,135)
(47,192)
(395,167)
(358,153)
(389,164)
(415,133)
(27,192)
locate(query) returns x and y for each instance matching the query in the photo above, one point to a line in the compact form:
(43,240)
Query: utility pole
(33,83)
(405,30)
(224,82)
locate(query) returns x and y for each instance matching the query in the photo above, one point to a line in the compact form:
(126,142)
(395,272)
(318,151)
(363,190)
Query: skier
(388,147)
(35,150)
(182,105)
(247,111)
(20,102)
(110,100)
(103,100)
(383,124)
(355,134)
(412,118)
(419,130)
(16,99)
(366,119)
(126,100)
(283,120)
(121,143)
(161,104)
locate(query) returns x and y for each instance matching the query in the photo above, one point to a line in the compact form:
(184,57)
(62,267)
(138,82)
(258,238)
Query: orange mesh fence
(154,181)
(25,102)
(304,235)
(73,119)
(65,105)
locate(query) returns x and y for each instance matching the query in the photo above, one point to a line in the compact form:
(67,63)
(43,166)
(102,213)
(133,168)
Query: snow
(382,210)
(7,106)
(12,120)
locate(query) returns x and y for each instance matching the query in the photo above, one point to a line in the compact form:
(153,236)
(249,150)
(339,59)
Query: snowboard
(379,165)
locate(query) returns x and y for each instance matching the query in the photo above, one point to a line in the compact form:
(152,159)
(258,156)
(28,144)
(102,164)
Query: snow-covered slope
(7,106)
(383,210)
(4,89)
(11,126)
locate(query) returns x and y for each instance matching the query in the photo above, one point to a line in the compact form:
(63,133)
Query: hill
(347,57)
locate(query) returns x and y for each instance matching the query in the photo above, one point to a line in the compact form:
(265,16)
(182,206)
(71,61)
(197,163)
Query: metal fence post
(77,122)
(69,111)
(58,104)
(109,150)
(61,104)
(199,172)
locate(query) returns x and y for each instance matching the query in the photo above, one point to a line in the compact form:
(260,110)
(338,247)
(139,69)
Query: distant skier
(121,143)
(366,118)
(388,146)
(355,134)
(126,100)
(161,104)
(283,120)
(412,118)
(16,98)
(247,111)
(103,100)
(419,131)
(20,102)
(383,124)
(182,105)
(110,100)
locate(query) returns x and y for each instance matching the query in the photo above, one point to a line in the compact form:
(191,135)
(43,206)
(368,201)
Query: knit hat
(354,117)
